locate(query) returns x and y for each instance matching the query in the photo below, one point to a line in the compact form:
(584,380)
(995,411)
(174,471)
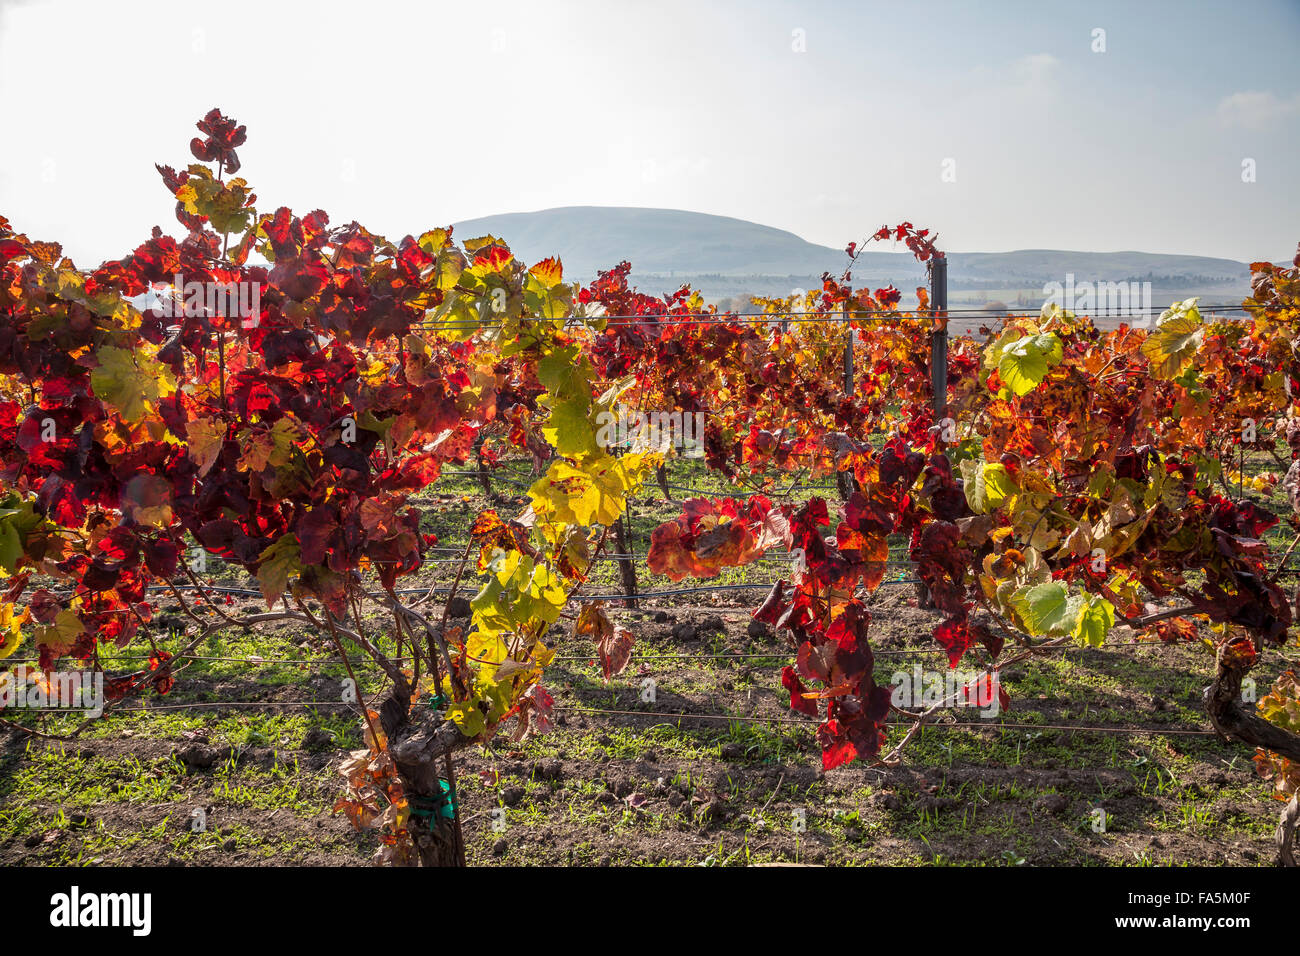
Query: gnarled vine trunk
(661,476)
(422,753)
(484,480)
(1286,832)
(845,484)
(1235,722)
(626,567)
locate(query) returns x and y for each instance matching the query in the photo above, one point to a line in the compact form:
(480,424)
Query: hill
(737,254)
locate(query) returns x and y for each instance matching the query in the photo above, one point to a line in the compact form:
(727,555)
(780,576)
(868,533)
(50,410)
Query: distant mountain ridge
(659,242)
(590,238)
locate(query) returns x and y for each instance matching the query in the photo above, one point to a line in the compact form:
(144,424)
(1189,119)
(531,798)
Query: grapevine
(151,411)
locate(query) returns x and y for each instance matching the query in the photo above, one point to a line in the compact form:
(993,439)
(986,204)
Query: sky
(1002,125)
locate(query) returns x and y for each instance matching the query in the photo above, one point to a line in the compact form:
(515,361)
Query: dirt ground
(238,765)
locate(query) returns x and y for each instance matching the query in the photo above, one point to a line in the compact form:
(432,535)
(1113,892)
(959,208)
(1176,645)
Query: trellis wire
(250,592)
(671,716)
(805,317)
(781,653)
(703,492)
(762,585)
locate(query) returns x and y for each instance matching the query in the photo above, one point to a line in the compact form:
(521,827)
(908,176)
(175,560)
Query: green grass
(982,798)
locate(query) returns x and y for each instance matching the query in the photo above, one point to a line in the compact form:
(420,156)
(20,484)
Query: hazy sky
(824,118)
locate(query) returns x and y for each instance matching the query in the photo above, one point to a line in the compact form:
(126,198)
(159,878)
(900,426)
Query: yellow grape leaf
(205,436)
(223,203)
(593,491)
(277,562)
(548,273)
(520,598)
(130,381)
(543,583)
(1175,340)
(570,430)
(565,372)
(434,241)
(467,717)
(62,634)
(11,635)
(262,447)
(451,266)
(544,292)
(492,614)
(487,650)
(986,485)
(1050,608)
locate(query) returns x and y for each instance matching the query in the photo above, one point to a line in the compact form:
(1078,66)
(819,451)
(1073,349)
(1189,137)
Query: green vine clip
(431,808)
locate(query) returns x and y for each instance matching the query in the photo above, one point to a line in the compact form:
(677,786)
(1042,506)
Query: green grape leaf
(1045,608)
(11,547)
(1095,621)
(1025,362)
(1050,609)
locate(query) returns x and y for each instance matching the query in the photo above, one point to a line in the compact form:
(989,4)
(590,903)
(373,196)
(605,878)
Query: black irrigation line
(946,725)
(496,477)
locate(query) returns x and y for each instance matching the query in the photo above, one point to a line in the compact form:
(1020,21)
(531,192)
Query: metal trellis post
(848,354)
(939,337)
